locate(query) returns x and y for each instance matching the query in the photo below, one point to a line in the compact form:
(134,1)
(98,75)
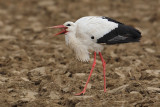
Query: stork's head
(66,27)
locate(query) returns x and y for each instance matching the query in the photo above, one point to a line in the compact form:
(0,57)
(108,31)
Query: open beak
(63,31)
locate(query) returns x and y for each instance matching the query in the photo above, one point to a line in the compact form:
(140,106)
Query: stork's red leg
(94,63)
(104,70)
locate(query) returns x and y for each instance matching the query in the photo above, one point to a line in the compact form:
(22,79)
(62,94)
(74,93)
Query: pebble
(154,89)
(29,95)
(89,86)
(149,50)
(68,74)
(54,96)
(80,74)
(51,60)
(113,54)
(24,79)
(66,89)
(155,73)
(148,42)
(10,90)
(16,72)
(134,92)
(40,70)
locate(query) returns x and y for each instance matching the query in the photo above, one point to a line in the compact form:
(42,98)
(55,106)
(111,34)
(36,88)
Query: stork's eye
(92,37)
(68,25)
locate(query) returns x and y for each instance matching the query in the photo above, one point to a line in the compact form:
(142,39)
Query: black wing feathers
(121,34)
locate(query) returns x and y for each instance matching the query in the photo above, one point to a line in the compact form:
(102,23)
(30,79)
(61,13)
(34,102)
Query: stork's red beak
(60,26)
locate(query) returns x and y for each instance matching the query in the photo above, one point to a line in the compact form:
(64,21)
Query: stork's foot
(81,93)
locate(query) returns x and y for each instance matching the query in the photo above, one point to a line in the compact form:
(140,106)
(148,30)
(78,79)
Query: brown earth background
(37,69)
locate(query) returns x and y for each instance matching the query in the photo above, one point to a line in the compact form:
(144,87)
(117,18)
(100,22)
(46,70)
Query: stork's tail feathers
(134,35)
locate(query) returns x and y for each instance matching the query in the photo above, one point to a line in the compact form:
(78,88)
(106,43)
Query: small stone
(10,90)
(66,89)
(51,60)
(148,42)
(80,74)
(40,70)
(16,72)
(68,74)
(89,86)
(149,50)
(155,73)
(113,54)
(29,95)
(154,89)
(24,79)
(54,96)
(134,92)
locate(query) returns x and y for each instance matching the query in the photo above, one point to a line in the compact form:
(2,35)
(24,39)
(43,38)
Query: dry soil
(37,69)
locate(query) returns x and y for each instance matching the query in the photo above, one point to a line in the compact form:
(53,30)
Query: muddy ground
(39,70)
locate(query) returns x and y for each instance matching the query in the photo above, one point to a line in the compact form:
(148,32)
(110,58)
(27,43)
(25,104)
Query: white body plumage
(79,36)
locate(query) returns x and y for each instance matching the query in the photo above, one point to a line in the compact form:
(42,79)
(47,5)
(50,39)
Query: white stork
(88,33)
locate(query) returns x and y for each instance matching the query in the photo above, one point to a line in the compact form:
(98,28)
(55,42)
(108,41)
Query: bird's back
(101,29)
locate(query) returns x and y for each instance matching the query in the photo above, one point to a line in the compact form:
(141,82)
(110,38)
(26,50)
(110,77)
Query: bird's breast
(80,49)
